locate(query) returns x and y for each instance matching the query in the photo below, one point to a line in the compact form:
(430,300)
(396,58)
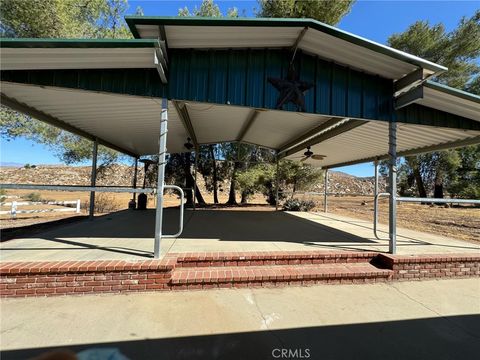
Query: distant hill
(10,164)
(122,175)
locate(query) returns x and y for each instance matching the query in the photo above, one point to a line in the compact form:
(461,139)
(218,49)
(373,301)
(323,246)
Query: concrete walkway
(129,234)
(408,320)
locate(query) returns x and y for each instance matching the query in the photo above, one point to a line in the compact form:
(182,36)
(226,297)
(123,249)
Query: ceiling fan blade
(318,157)
(304,158)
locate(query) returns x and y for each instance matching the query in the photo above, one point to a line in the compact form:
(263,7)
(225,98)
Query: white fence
(14,204)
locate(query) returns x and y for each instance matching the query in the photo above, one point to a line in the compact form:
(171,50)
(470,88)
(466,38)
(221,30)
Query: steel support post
(93,179)
(375,192)
(135,179)
(161,177)
(392,215)
(277,185)
(325,195)
(195,165)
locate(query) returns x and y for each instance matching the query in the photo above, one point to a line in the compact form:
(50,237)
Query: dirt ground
(457,222)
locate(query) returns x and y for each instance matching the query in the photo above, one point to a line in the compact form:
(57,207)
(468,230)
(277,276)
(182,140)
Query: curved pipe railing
(182,198)
(375,213)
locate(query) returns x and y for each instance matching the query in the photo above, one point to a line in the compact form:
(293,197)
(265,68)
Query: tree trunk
(438,187)
(214,171)
(232,194)
(188,180)
(244,198)
(419,182)
(190,184)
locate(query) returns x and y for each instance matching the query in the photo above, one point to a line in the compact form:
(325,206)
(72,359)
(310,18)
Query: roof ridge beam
(187,122)
(337,130)
(310,133)
(248,124)
(40,115)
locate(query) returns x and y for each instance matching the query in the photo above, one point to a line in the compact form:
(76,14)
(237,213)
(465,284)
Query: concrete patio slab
(129,234)
(436,319)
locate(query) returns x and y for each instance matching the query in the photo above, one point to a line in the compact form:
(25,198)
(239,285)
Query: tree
(329,11)
(208,8)
(459,50)
(59,19)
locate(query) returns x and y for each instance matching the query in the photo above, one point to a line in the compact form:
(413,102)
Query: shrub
(34,196)
(104,203)
(298,205)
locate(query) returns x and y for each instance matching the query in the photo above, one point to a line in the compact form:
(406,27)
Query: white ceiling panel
(129,122)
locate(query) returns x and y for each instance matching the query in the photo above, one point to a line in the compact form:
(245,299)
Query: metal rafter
(187,122)
(40,115)
(315,131)
(248,124)
(340,129)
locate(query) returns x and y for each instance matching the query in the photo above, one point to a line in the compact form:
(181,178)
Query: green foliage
(59,19)
(34,196)
(328,11)
(208,8)
(291,175)
(458,49)
(298,205)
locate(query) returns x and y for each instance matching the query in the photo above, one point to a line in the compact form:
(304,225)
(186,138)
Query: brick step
(221,259)
(235,276)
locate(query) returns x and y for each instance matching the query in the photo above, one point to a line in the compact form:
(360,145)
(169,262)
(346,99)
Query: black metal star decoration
(291,89)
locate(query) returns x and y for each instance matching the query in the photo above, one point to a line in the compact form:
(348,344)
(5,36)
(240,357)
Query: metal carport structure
(213,77)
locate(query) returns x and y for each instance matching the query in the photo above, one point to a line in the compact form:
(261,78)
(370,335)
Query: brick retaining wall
(194,271)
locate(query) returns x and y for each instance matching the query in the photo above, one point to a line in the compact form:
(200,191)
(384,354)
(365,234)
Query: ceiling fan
(309,154)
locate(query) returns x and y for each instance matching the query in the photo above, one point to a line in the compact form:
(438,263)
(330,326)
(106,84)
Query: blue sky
(375,20)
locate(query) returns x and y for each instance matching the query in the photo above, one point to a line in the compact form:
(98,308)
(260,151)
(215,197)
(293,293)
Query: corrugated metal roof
(129,122)
(451,100)
(42,54)
(371,140)
(320,39)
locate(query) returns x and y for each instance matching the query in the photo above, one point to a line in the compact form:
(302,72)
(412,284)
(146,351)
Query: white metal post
(161,177)
(135,179)
(195,164)
(93,179)
(77,207)
(14,209)
(325,199)
(375,193)
(392,218)
(277,185)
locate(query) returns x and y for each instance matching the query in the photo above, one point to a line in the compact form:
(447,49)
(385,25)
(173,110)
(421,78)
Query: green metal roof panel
(133,21)
(452,91)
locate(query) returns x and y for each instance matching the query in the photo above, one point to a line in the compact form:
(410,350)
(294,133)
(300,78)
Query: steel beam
(310,133)
(161,177)
(39,115)
(340,129)
(135,178)
(392,213)
(248,124)
(182,112)
(410,97)
(410,80)
(325,195)
(93,179)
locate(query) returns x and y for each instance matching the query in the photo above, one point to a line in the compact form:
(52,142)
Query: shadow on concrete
(453,337)
(228,225)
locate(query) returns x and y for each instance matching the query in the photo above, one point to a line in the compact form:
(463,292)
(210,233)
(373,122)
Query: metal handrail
(375,213)
(413,199)
(182,198)
(113,189)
